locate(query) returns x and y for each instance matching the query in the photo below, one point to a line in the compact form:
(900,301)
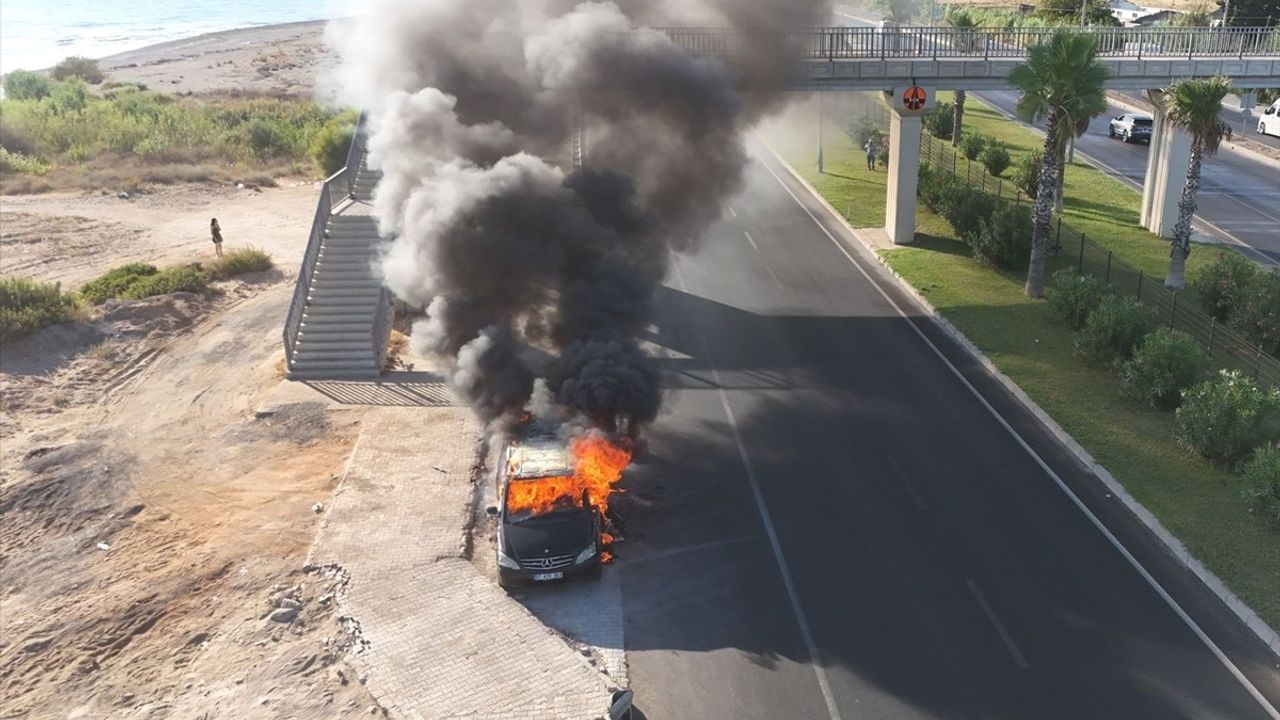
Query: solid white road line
(994,619)
(751,240)
(1097,522)
(906,482)
(767,521)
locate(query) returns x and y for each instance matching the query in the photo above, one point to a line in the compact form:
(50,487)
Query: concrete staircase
(340,316)
(338,336)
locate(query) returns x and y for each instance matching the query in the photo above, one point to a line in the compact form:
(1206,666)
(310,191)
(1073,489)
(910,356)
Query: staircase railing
(337,188)
(337,184)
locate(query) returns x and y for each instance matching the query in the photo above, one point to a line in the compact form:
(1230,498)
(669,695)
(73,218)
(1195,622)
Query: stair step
(346,251)
(347,297)
(358,271)
(337,329)
(344,306)
(338,365)
(322,319)
(336,374)
(354,350)
(343,283)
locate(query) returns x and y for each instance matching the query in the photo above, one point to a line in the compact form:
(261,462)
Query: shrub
(185,278)
(1113,330)
(940,120)
(1027,174)
(16,162)
(995,157)
(1260,483)
(1004,241)
(115,282)
(329,146)
(1221,284)
(1072,297)
(1166,363)
(1258,315)
(239,262)
(964,207)
(81,67)
(265,138)
(971,144)
(25,85)
(27,305)
(1226,417)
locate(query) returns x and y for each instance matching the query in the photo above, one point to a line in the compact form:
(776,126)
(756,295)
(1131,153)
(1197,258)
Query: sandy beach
(289,59)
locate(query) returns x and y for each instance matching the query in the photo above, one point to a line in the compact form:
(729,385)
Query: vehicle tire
(1262,128)
(1127,138)
(1111,131)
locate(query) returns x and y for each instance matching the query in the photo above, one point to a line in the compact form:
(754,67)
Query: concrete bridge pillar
(1167,159)
(904,166)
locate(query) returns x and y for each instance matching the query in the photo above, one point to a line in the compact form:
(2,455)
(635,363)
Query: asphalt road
(1239,198)
(1239,123)
(827,522)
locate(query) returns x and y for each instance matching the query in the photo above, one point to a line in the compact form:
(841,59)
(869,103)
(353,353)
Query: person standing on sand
(216,231)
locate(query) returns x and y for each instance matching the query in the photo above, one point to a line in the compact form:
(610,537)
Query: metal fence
(1072,249)
(852,43)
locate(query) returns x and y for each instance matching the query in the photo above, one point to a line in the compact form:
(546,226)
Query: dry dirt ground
(154,527)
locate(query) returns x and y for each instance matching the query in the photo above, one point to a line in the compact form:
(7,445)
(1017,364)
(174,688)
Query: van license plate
(548,576)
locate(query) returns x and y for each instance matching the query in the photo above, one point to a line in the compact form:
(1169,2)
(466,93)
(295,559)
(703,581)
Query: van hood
(558,533)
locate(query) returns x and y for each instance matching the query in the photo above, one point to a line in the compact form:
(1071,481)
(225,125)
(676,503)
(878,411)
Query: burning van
(554,497)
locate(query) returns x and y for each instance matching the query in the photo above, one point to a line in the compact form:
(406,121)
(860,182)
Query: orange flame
(598,466)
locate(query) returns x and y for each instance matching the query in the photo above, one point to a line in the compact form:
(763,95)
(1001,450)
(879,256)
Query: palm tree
(960,19)
(1193,106)
(1061,83)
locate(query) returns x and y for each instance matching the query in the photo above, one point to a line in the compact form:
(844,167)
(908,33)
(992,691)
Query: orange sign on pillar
(913,98)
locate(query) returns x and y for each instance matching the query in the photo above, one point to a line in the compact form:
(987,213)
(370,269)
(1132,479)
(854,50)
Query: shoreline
(289,59)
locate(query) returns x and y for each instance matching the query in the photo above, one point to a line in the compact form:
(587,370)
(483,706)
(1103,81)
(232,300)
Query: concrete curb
(1256,624)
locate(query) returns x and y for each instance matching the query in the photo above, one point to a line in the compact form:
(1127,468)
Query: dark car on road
(548,528)
(1131,127)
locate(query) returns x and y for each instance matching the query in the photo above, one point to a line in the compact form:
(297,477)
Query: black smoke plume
(527,266)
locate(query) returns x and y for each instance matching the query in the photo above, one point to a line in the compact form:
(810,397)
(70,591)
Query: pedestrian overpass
(892,59)
(340,316)
(869,58)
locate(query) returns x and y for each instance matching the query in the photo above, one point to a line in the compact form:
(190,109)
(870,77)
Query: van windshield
(531,497)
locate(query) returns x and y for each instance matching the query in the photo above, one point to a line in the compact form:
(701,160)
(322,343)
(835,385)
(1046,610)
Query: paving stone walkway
(443,642)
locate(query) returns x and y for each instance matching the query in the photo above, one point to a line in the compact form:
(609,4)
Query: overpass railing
(866,43)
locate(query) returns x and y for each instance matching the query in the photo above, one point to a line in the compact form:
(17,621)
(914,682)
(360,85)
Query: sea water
(36,34)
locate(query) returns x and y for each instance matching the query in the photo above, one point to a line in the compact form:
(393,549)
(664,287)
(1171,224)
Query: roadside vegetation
(27,305)
(1136,396)
(60,131)
(139,280)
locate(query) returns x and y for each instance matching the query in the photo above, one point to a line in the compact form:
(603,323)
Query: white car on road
(1269,120)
